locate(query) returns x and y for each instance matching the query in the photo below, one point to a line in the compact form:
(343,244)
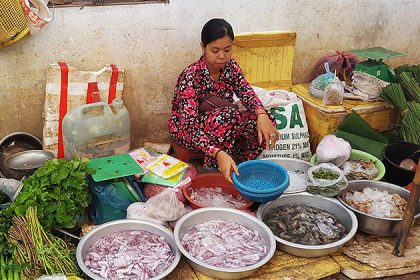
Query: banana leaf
(375,148)
(354,124)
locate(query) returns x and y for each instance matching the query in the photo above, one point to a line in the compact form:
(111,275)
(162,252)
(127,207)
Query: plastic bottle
(97,130)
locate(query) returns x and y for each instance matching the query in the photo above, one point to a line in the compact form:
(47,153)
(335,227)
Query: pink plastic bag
(340,62)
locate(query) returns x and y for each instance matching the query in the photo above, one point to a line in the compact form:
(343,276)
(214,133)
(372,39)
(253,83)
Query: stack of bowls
(261,181)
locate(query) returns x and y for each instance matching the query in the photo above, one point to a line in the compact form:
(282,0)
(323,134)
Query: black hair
(215,29)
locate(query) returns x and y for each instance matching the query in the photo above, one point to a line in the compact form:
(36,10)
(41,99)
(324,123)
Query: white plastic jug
(96,130)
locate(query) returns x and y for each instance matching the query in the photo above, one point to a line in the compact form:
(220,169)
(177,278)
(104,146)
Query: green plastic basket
(357,154)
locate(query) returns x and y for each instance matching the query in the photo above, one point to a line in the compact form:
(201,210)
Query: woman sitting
(204,118)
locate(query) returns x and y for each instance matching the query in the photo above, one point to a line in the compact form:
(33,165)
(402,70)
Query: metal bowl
(27,162)
(12,144)
(293,165)
(328,204)
(226,214)
(122,225)
(371,224)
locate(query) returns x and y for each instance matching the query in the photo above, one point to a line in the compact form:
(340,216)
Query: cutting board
(114,167)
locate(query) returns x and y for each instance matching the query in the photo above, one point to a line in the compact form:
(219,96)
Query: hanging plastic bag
(37,14)
(165,206)
(326,179)
(333,149)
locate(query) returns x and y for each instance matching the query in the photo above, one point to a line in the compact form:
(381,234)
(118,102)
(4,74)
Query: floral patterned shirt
(193,85)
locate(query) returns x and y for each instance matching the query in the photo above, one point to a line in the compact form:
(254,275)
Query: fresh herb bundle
(40,250)
(59,190)
(398,94)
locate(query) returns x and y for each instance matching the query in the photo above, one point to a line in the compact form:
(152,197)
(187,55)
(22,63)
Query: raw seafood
(216,197)
(297,181)
(376,203)
(360,169)
(303,224)
(136,254)
(224,244)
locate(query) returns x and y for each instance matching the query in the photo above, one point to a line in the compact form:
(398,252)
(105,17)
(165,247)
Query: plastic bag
(326,179)
(137,211)
(322,81)
(150,190)
(328,88)
(333,149)
(333,93)
(11,188)
(37,14)
(110,200)
(340,62)
(165,206)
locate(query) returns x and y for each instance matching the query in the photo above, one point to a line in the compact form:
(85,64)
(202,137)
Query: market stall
(87,204)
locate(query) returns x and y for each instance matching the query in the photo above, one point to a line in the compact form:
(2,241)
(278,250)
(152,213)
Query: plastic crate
(266,58)
(323,119)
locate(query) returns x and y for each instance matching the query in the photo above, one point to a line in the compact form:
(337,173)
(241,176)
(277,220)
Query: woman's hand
(226,165)
(266,130)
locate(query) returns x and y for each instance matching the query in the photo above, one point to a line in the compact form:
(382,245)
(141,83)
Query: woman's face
(217,53)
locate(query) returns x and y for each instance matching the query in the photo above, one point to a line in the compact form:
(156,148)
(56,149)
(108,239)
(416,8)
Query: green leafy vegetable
(325,174)
(59,189)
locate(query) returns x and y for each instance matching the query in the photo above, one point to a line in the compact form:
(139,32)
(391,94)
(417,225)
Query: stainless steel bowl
(29,161)
(122,225)
(226,214)
(371,224)
(330,205)
(293,165)
(13,143)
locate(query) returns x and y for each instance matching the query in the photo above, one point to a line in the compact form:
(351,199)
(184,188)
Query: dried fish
(136,254)
(303,224)
(224,244)
(360,169)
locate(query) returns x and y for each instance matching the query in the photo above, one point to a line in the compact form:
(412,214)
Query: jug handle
(106,108)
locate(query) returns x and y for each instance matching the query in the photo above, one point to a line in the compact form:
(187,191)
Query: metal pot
(371,224)
(328,204)
(226,214)
(122,225)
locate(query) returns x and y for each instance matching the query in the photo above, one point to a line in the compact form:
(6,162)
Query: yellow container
(323,119)
(13,26)
(266,58)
